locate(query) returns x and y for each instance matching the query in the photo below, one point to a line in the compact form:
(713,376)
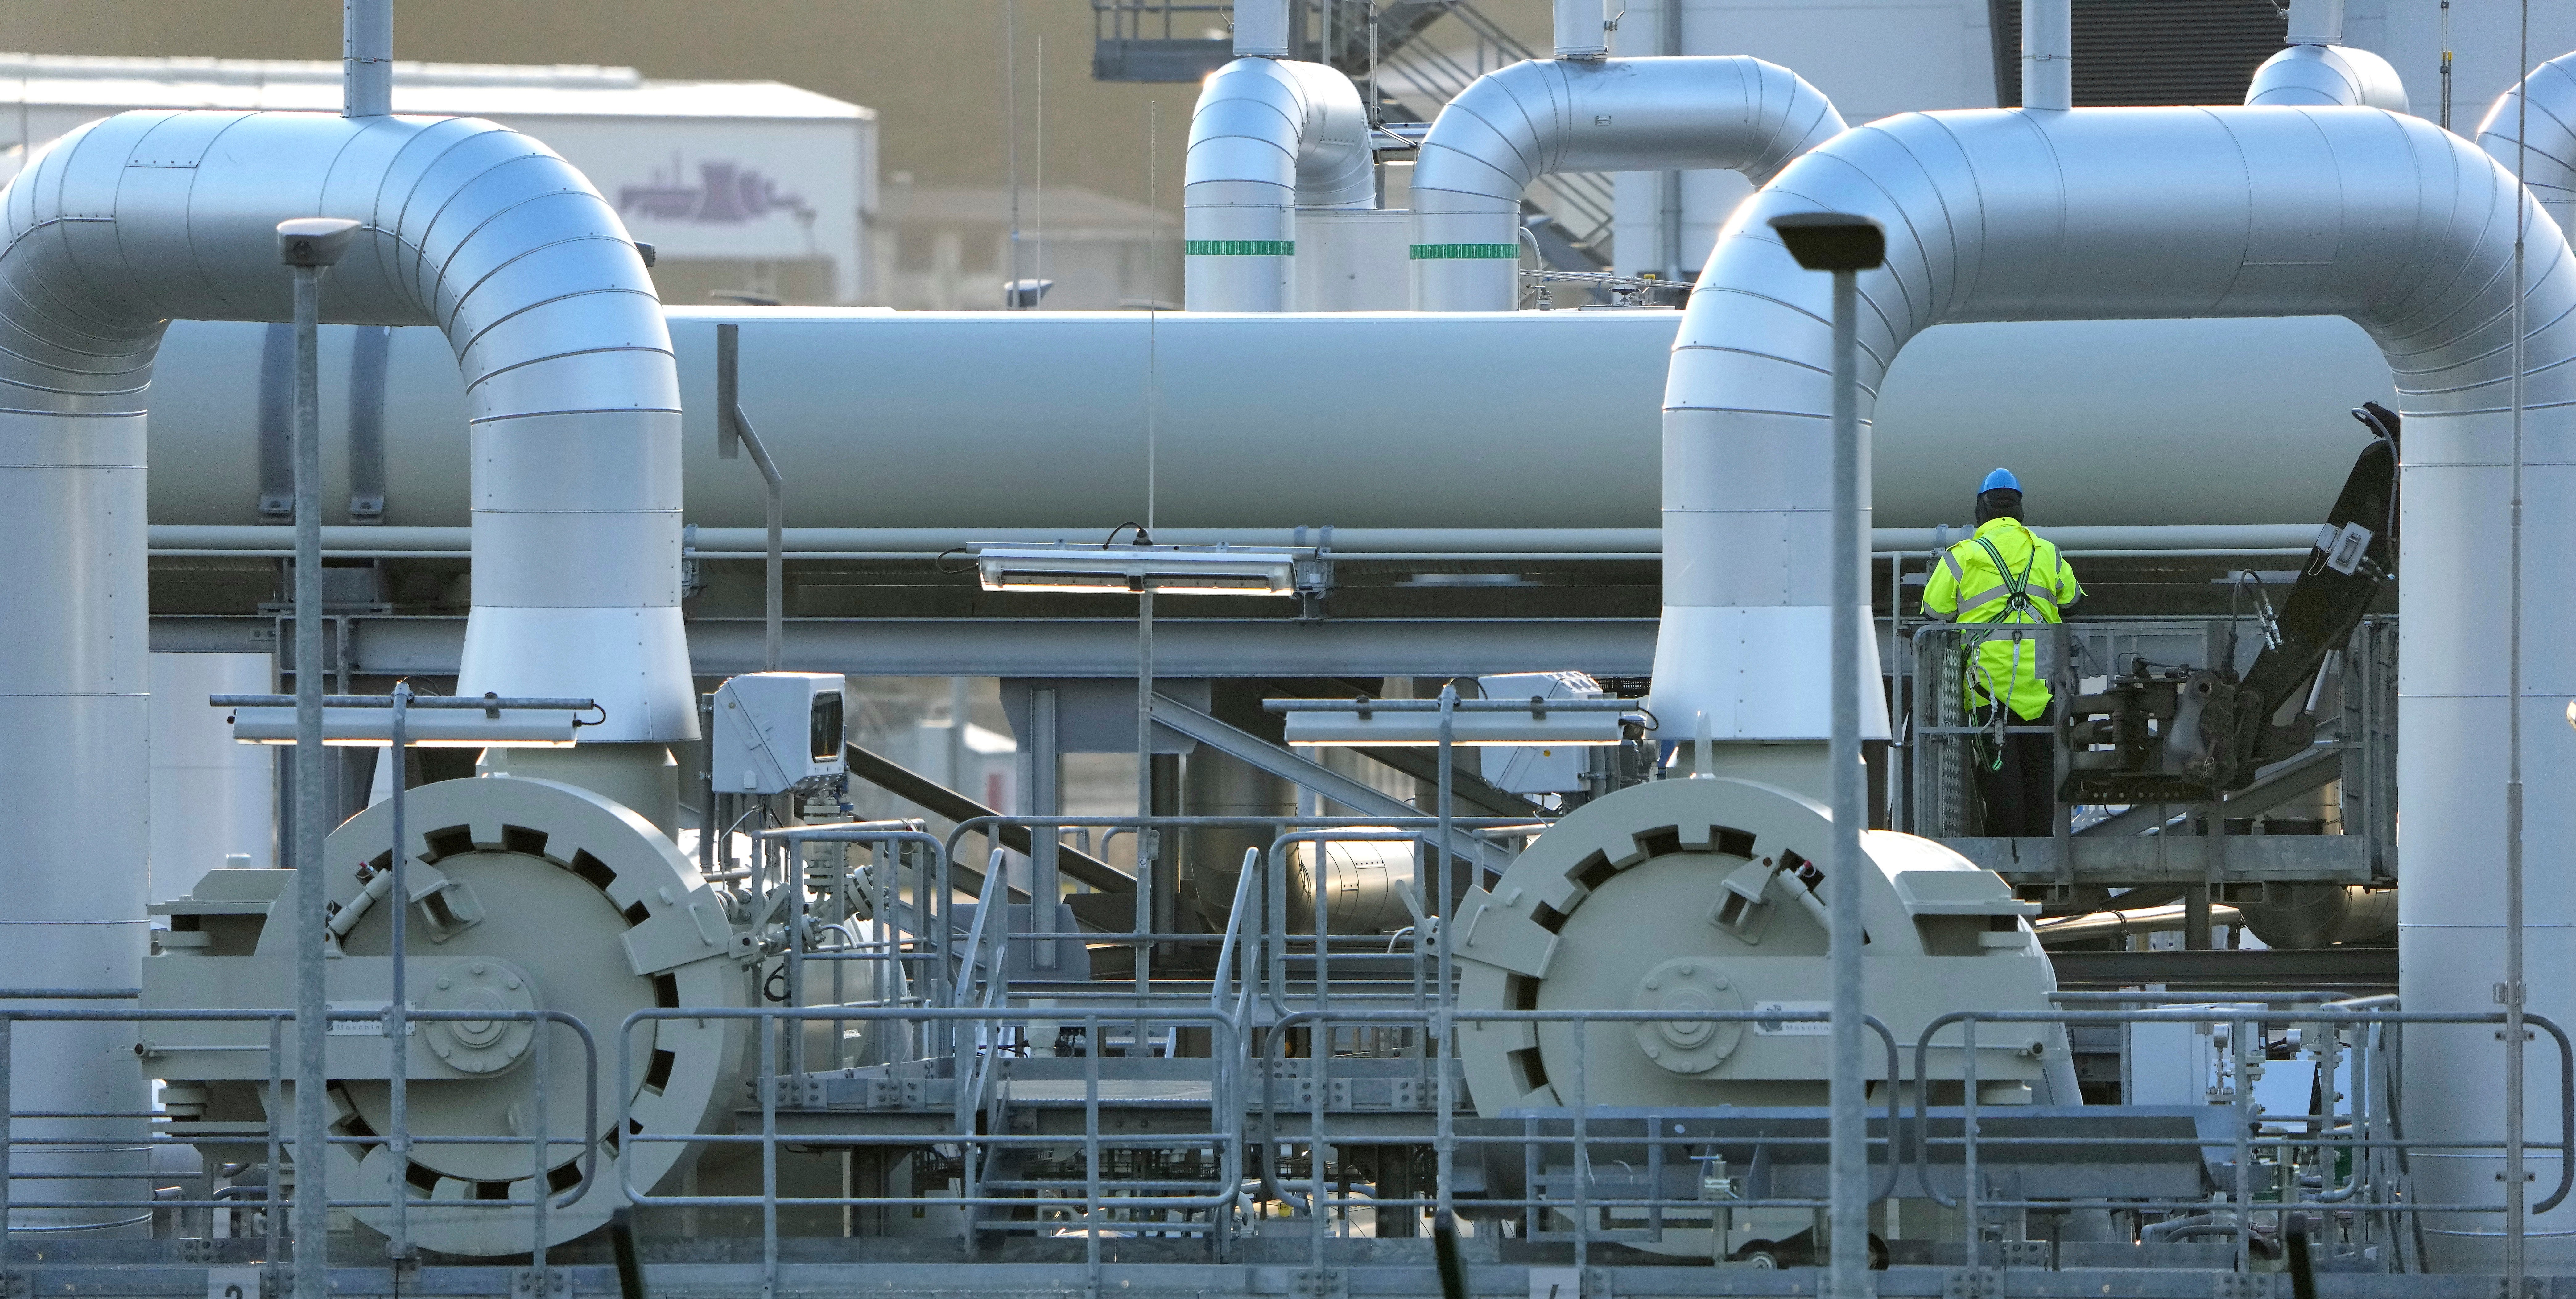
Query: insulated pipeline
(572,406)
(1268,137)
(2326,76)
(2549,165)
(1539,118)
(2180,212)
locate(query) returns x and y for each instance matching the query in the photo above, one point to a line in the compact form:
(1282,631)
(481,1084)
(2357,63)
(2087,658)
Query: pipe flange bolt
(1690,985)
(481,1046)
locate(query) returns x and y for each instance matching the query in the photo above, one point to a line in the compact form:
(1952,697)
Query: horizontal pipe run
(216,540)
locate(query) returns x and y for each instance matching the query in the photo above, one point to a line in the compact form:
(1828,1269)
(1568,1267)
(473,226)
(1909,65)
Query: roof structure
(482,89)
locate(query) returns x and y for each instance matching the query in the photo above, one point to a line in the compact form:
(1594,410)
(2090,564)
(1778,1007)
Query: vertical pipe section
(2316,22)
(1262,29)
(2354,212)
(75,780)
(145,217)
(1582,29)
(2048,53)
(1268,137)
(366,58)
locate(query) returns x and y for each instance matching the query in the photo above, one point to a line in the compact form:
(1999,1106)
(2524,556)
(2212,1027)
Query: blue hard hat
(2001,480)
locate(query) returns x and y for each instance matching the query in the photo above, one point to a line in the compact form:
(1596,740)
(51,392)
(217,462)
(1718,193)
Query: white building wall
(798,169)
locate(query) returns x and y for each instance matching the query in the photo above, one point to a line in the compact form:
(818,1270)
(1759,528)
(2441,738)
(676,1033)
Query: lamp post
(1845,245)
(309,244)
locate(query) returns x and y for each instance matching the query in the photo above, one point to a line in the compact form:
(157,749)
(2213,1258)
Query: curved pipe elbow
(2140,213)
(2326,76)
(1541,118)
(573,396)
(1269,136)
(2548,165)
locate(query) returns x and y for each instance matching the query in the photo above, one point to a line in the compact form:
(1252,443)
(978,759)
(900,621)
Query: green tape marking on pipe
(1239,247)
(1466,252)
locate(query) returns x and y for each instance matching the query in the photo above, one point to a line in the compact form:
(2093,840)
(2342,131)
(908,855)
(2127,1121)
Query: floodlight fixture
(1473,723)
(430,722)
(1832,241)
(1130,569)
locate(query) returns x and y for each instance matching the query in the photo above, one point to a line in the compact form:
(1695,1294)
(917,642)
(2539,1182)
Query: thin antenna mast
(1011,142)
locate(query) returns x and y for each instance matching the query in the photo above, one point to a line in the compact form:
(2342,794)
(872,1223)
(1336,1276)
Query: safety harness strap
(2017,598)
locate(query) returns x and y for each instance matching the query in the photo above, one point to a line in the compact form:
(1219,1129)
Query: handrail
(1225,962)
(1275,1035)
(541,1196)
(2320,1014)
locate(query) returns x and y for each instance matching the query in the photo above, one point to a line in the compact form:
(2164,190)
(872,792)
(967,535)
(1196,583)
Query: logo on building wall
(727,193)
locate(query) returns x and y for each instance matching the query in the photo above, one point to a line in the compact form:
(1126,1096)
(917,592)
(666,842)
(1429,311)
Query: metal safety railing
(987,1150)
(2256,1139)
(1535,1134)
(1932,794)
(1088,1148)
(160,1128)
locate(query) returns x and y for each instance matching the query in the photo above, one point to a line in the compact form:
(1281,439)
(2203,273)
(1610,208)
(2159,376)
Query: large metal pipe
(2383,219)
(1539,118)
(985,420)
(570,397)
(2548,166)
(2317,70)
(201,539)
(2326,76)
(1268,137)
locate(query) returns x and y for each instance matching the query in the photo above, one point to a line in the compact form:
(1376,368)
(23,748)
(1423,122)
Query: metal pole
(1440,876)
(1146,838)
(1849,1133)
(734,430)
(2511,992)
(1045,798)
(1011,142)
(397,1007)
(5,1138)
(312,1220)
(773,605)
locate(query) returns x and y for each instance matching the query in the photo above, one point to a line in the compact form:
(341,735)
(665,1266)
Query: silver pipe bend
(1268,137)
(1542,117)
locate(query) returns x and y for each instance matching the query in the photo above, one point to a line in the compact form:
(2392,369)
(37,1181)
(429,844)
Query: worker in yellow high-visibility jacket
(2007,577)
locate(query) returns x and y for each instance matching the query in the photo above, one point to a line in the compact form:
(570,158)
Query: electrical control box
(776,731)
(1534,768)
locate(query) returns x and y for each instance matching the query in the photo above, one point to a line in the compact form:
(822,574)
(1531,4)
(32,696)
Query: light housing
(1172,570)
(1414,729)
(428,728)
